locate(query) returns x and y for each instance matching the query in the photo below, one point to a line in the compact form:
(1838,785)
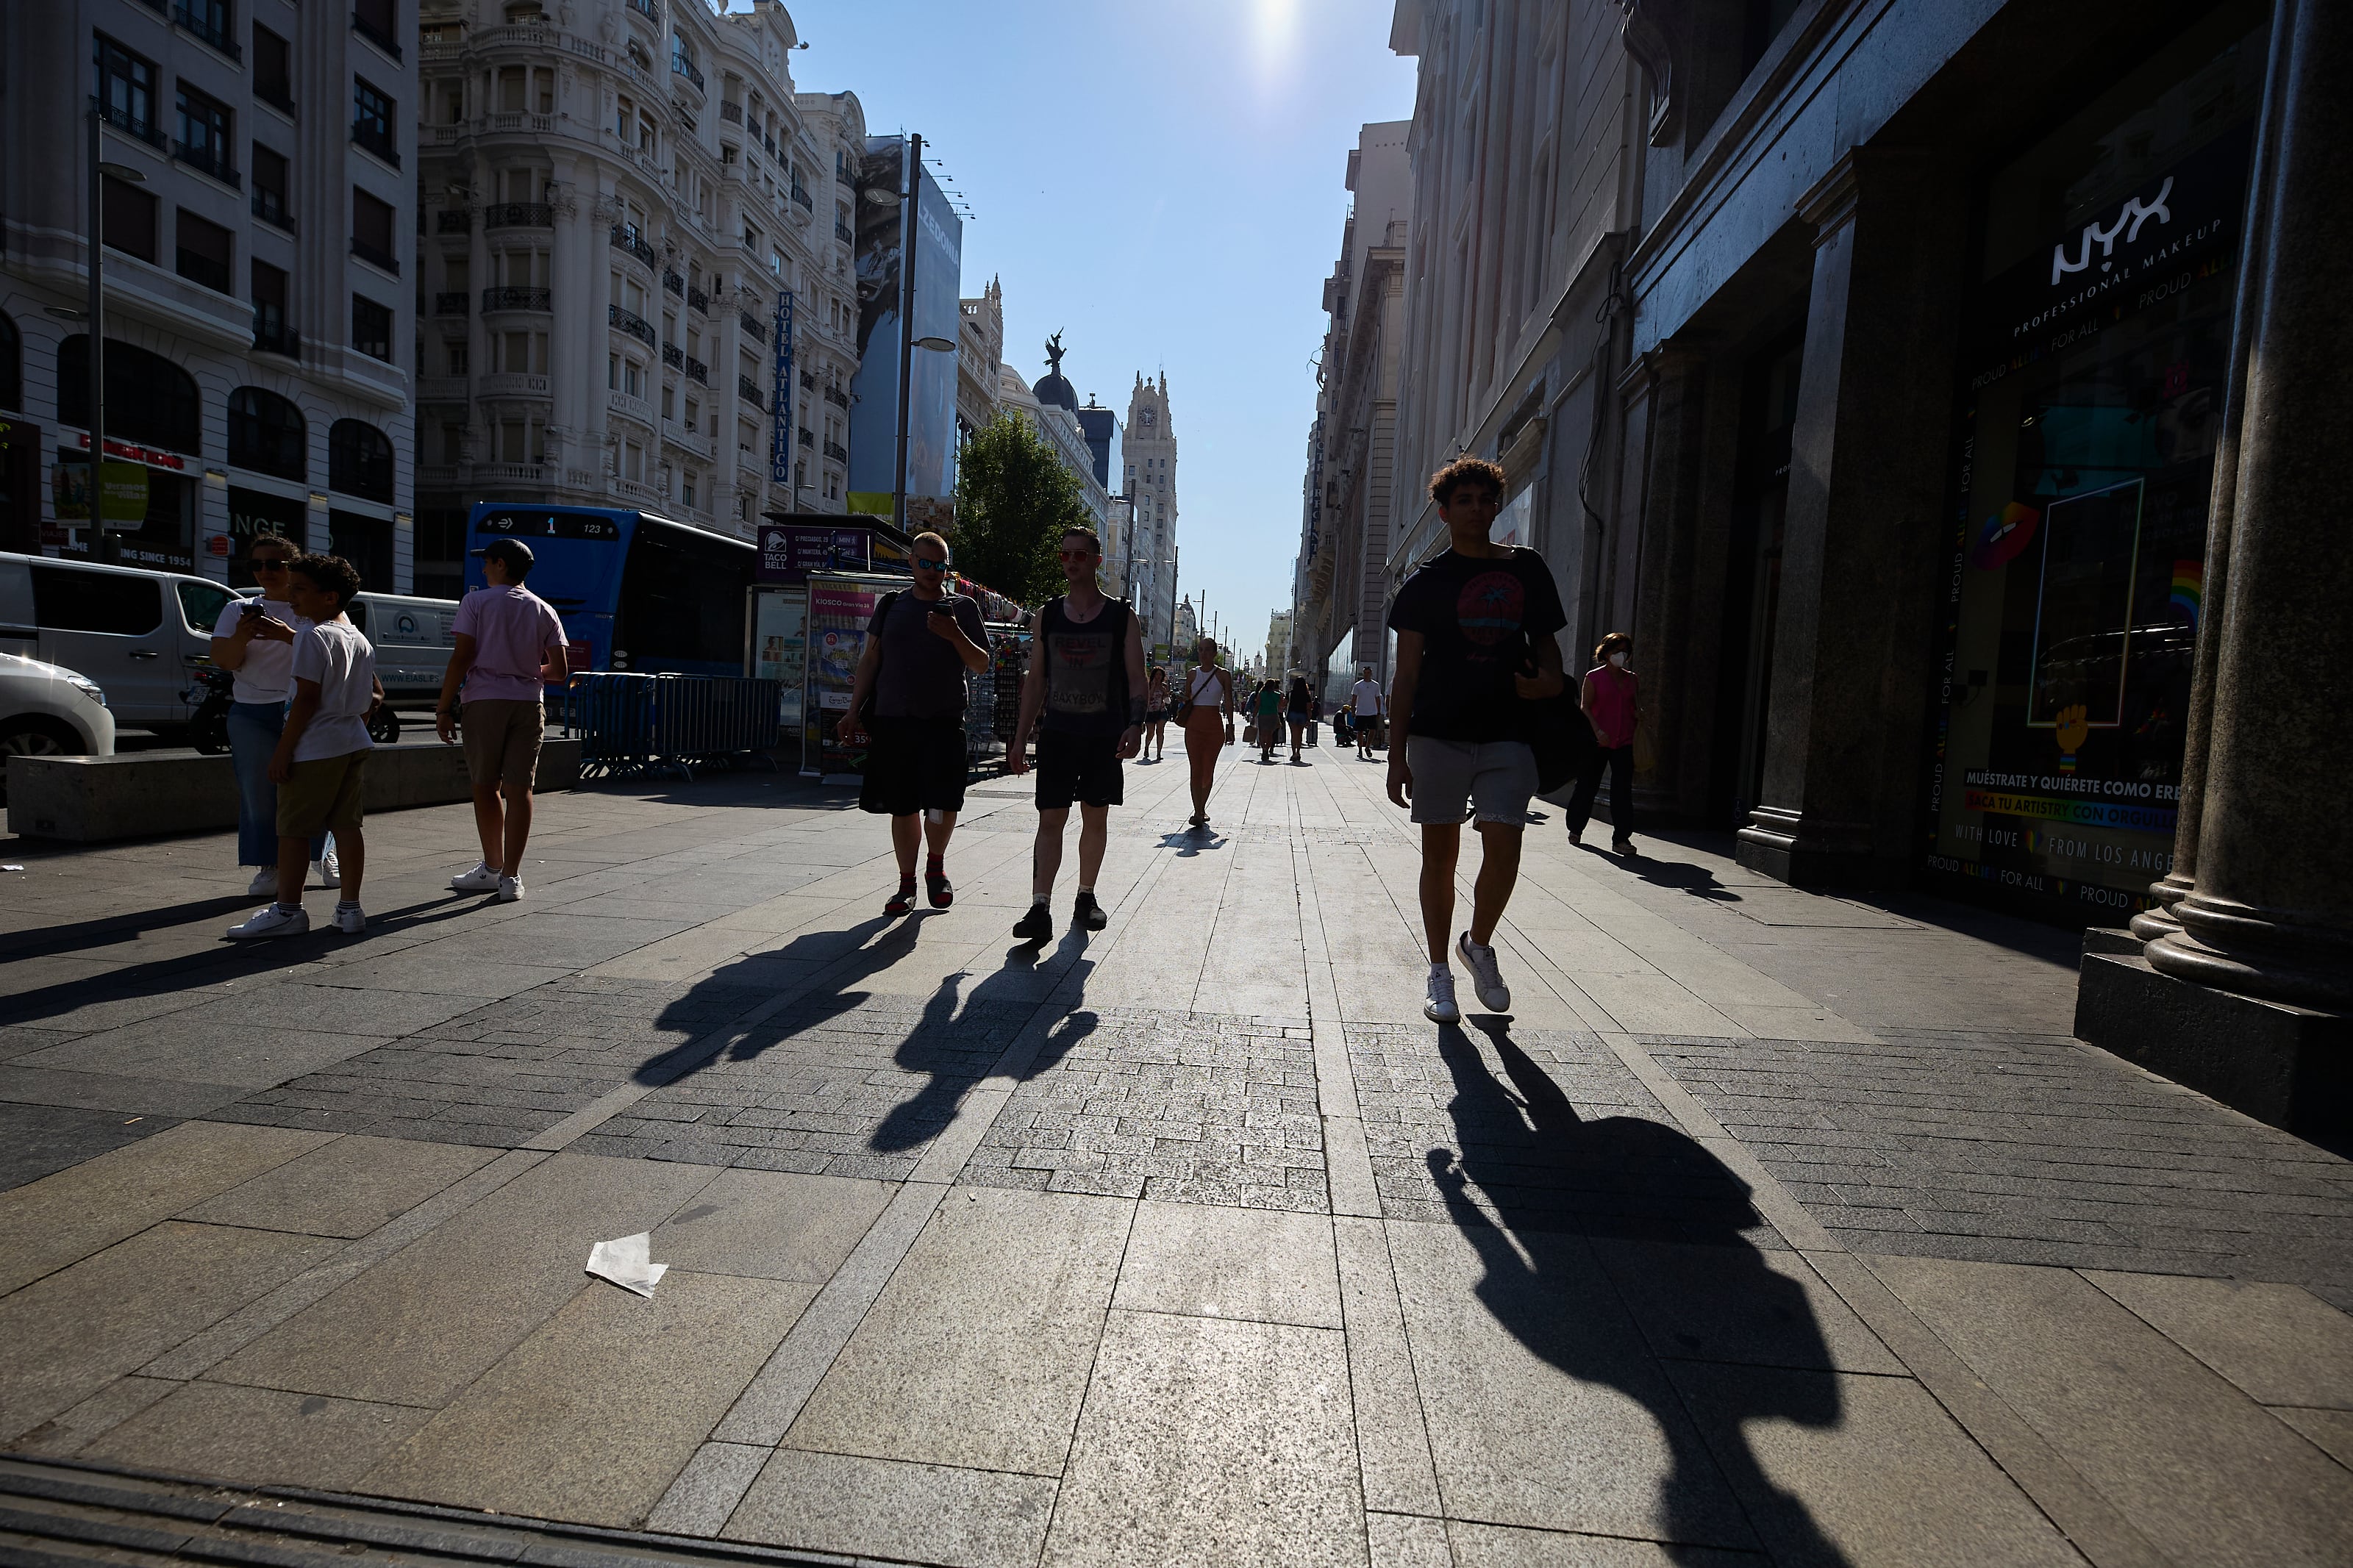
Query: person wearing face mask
(1608,700)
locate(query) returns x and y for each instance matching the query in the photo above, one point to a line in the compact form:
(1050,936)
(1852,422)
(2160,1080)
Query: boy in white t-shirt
(319,763)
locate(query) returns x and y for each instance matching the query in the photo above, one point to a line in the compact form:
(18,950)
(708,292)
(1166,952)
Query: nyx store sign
(2128,256)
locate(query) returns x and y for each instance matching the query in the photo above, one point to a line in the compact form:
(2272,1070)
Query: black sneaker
(1088,914)
(903,901)
(1035,926)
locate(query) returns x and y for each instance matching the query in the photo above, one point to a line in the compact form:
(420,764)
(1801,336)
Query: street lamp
(100,170)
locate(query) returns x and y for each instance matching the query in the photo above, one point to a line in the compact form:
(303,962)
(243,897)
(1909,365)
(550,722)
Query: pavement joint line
(1347,1161)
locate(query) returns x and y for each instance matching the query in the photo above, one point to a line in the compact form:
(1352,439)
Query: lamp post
(910,181)
(101,544)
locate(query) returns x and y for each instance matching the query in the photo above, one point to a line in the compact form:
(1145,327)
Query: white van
(412,639)
(139,634)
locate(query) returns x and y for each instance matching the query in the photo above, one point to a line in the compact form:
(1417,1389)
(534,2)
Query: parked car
(49,712)
(412,640)
(138,634)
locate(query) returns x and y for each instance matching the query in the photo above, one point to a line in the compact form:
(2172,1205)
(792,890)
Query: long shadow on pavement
(1553,1182)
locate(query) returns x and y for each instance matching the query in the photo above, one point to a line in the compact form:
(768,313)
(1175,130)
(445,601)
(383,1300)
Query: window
(208,20)
(372,328)
(203,252)
(543,91)
(126,90)
(11,359)
(148,398)
(201,605)
(371,228)
(273,68)
(267,434)
(625,118)
(204,141)
(270,172)
(457,363)
(511,90)
(130,219)
(359,461)
(372,120)
(376,20)
(453,103)
(69,599)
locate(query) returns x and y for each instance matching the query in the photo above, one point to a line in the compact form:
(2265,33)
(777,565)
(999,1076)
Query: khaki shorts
(502,736)
(320,796)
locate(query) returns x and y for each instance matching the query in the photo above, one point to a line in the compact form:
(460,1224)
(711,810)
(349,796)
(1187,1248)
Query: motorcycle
(210,697)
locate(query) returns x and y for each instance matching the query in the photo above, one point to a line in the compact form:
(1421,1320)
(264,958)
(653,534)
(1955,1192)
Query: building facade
(1339,597)
(980,350)
(1147,473)
(620,197)
(258,328)
(1951,465)
(1052,408)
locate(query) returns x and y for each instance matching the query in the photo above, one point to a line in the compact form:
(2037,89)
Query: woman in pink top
(1608,700)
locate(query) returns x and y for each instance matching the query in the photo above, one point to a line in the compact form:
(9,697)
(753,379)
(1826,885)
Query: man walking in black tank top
(1084,698)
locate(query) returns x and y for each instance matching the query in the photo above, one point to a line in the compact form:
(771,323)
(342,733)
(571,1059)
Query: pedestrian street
(1767,1228)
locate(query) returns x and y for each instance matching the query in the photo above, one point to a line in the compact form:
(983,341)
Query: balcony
(841,232)
(513,383)
(277,95)
(733,114)
(271,208)
(514,298)
(283,341)
(632,323)
(698,370)
(453,220)
(369,253)
(750,325)
(131,125)
(449,304)
(673,356)
(518,215)
(368,138)
(747,389)
(837,451)
(369,31)
(802,198)
(838,397)
(696,300)
(645,8)
(212,161)
(808,439)
(625,237)
(211,25)
(674,283)
(681,66)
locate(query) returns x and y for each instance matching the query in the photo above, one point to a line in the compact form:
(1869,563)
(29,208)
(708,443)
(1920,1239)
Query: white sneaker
(350,920)
(1485,978)
(1441,1007)
(510,890)
(327,871)
(483,879)
(271,921)
(264,883)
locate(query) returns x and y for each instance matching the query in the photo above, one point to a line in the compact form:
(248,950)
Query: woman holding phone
(254,639)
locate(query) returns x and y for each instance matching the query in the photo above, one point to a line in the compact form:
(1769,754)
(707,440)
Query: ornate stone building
(981,350)
(1148,477)
(1340,596)
(617,194)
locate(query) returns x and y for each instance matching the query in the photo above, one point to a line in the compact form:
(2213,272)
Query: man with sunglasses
(906,700)
(254,639)
(1084,698)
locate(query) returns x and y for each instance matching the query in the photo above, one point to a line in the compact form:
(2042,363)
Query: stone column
(1670,650)
(1851,649)
(2268,911)
(571,380)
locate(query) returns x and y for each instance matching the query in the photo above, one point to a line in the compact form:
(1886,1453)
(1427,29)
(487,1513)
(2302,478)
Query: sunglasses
(271,564)
(1076,554)
(921,564)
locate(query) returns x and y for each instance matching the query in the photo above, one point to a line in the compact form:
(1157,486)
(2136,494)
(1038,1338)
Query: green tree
(1013,500)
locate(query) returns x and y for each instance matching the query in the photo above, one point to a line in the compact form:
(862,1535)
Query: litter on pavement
(626,1263)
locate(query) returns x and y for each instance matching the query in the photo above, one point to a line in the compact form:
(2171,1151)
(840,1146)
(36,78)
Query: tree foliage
(1013,500)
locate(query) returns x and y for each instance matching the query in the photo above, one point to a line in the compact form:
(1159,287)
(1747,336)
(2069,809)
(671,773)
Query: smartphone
(250,608)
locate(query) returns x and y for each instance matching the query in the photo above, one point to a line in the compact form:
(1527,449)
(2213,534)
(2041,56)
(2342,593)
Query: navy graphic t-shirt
(1478,615)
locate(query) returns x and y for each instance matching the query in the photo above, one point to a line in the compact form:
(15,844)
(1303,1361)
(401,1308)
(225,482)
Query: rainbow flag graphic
(2188,587)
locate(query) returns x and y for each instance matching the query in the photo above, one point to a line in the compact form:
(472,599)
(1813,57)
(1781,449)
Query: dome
(1055,391)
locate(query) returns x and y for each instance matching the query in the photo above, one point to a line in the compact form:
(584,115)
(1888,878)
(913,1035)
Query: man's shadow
(1536,1186)
(939,1045)
(1190,841)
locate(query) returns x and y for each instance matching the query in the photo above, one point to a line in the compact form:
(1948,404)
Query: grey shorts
(1456,780)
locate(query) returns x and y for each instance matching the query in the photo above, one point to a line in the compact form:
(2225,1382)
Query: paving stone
(706,1492)
(348,1187)
(1736,1303)
(977,1352)
(55,1221)
(109,1092)
(1507,1546)
(2201,1469)
(75,1330)
(1407,1540)
(2278,1344)
(2331,1431)
(771,1225)
(39,1141)
(927,1513)
(1211,1441)
(258,1436)
(593,1416)
(1263,1267)
(424,1323)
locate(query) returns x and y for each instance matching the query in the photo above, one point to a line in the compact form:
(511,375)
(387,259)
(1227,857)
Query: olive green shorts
(320,796)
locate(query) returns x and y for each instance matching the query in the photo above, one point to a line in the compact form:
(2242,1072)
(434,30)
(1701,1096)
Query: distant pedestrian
(1266,719)
(1366,708)
(319,760)
(1156,714)
(1084,698)
(1298,712)
(1477,643)
(1609,697)
(921,643)
(254,639)
(508,649)
(1207,717)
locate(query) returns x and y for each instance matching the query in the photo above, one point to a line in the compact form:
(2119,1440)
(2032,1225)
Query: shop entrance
(1752,589)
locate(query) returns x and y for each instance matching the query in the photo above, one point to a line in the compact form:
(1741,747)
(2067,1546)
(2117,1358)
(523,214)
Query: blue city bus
(643,593)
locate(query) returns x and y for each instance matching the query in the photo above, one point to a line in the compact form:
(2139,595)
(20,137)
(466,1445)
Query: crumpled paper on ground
(626,1263)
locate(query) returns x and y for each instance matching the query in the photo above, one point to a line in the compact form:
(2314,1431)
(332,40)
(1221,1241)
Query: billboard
(939,273)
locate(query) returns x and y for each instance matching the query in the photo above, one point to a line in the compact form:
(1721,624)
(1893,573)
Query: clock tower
(1148,478)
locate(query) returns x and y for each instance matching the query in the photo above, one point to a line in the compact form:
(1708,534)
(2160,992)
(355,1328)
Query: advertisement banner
(939,271)
(839,610)
(790,551)
(780,650)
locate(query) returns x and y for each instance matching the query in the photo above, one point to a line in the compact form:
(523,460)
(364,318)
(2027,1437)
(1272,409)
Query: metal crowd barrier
(633,724)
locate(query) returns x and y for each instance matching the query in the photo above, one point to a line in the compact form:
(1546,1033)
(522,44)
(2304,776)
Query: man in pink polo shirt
(1611,697)
(509,646)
